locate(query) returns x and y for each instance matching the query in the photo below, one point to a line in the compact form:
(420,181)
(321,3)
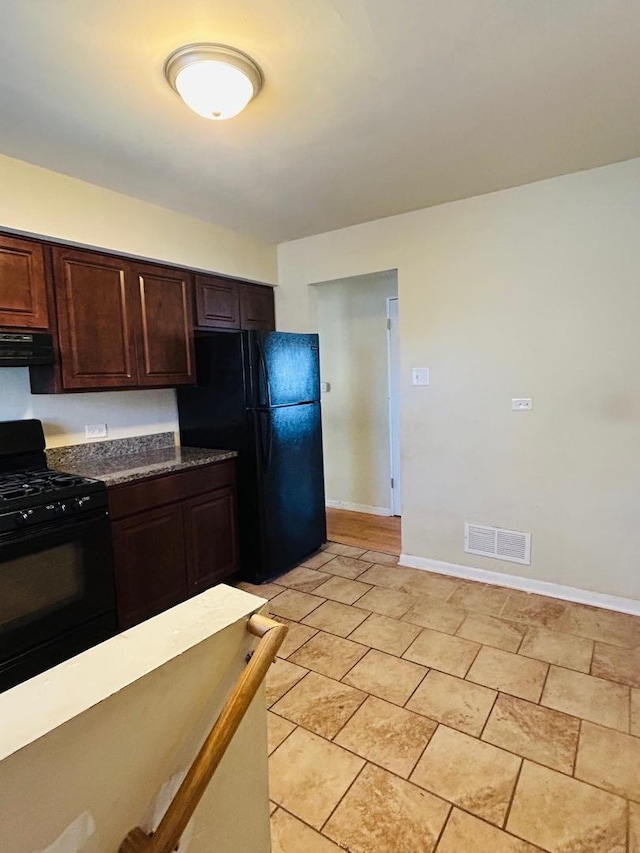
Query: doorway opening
(360,397)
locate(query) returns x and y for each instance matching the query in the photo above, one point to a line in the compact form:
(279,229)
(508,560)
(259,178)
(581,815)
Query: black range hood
(20,349)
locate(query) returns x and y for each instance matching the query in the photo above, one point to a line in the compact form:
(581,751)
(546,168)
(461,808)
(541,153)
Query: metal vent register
(510,545)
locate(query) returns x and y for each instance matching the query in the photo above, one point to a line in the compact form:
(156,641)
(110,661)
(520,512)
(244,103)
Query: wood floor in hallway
(374,532)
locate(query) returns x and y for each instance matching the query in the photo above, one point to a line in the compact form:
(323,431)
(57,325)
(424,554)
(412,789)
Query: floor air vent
(495,542)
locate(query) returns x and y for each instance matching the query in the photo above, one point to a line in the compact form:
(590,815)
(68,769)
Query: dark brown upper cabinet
(120,324)
(257,310)
(96,311)
(217,302)
(223,303)
(166,329)
(23,288)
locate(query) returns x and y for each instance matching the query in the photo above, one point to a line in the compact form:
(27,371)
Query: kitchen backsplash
(59,456)
(64,416)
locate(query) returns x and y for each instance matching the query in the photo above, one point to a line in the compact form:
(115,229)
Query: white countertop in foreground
(47,701)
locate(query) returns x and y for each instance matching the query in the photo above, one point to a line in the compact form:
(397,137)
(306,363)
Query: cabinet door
(149,563)
(166,331)
(23,292)
(257,309)
(96,318)
(211,538)
(217,302)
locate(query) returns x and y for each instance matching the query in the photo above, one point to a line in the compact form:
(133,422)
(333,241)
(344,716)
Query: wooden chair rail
(167,836)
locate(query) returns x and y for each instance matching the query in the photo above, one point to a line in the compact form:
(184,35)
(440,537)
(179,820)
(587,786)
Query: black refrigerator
(259,393)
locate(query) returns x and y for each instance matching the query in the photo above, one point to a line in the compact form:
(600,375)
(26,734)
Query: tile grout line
(443,828)
(484,725)
(413,692)
(350,717)
(513,795)
(522,639)
(420,757)
(333,810)
(575,755)
(288,690)
(593,654)
(329,631)
(544,684)
(286,738)
(301,820)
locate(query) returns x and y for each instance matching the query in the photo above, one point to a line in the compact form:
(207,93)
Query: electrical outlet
(325,387)
(95,430)
(521,404)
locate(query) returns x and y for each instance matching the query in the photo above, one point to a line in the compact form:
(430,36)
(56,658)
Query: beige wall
(351,320)
(49,204)
(530,292)
(98,745)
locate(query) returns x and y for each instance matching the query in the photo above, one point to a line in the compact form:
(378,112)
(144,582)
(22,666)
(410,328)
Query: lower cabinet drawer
(130,498)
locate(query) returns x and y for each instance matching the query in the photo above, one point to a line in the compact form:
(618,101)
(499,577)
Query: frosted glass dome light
(214,80)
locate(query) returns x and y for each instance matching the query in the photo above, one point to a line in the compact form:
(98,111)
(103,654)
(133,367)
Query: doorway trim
(393,396)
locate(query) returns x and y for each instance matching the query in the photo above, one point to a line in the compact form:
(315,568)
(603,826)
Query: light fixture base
(203,51)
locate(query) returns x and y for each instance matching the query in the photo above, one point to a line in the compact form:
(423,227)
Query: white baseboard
(370,510)
(552,590)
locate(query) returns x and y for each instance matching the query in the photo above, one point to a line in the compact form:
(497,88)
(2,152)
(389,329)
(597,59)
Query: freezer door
(285,368)
(213,412)
(291,482)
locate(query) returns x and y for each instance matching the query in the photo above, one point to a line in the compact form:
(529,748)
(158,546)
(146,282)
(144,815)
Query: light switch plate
(419,375)
(95,430)
(522,404)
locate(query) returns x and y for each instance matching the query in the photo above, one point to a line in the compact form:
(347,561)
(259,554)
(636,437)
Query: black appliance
(259,393)
(57,595)
(20,349)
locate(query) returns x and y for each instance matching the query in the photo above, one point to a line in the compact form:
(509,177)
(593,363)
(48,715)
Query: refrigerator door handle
(266,439)
(264,376)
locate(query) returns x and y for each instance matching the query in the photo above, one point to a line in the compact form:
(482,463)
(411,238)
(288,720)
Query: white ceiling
(370,107)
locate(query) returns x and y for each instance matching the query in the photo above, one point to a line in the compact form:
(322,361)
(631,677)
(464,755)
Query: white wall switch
(95,430)
(419,375)
(325,387)
(522,404)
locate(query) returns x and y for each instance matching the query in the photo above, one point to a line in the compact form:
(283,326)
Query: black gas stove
(57,593)
(40,495)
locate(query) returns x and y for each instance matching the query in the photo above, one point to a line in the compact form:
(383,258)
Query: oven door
(56,586)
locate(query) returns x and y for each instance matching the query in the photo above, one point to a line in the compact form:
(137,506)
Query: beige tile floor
(411,712)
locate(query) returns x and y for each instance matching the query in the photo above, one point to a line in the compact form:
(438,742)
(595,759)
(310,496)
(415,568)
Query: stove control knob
(22,517)
(77,504)
(60,509)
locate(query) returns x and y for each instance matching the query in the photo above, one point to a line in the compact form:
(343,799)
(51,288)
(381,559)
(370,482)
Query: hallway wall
(352,322)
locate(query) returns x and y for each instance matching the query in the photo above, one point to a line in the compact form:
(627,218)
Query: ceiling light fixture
(214,80)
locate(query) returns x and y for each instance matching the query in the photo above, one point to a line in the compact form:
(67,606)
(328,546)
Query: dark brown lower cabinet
(173,537)
(210,536)
(150,565)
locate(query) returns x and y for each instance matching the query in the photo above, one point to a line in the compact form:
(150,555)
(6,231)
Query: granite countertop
(126,460)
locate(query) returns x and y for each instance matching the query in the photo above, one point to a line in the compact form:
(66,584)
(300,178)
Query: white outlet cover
(95,430)
(521,404)
(419,375)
